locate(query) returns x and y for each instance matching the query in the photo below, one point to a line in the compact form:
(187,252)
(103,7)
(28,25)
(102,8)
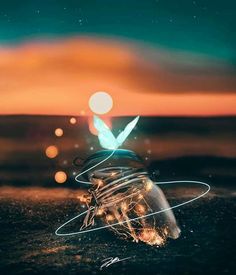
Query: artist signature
(109,261)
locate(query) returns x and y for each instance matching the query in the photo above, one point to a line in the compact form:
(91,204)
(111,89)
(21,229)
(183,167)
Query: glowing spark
(124,206)
(140,196)
(140,209)
(98,182)
(151,236)
(109,217)
(148,185)
(84,198)
(100,212)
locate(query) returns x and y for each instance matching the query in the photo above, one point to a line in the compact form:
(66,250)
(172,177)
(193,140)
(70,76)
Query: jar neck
(118,159)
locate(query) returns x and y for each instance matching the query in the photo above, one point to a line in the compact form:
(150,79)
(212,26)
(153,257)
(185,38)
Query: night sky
(197,26)
(173,57)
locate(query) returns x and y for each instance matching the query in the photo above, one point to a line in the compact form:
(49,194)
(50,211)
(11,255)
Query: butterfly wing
(105,136)
(124,134)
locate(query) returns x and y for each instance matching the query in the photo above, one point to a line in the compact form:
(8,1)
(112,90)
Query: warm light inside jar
(123,193)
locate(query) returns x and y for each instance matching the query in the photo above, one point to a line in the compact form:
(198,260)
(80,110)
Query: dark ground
(29,245)
(32,205)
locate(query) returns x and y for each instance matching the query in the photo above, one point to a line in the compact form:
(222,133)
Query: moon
(100,102)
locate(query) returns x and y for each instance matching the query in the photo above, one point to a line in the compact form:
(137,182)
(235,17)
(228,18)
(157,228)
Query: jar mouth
(120,157)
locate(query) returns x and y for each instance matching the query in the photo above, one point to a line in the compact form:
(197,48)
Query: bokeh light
(60,177)
(59,132)
(51,151)
(73,120)
(100,103)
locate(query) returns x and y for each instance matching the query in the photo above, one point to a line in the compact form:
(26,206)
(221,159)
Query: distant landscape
(172,148)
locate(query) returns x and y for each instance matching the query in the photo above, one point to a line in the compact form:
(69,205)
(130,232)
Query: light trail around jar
(93,208)
(155,213)
(122,195)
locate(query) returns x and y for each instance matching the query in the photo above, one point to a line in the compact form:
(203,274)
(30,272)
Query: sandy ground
(29,217)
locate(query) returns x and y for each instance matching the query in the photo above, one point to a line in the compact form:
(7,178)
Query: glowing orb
(59,132)
(73,120)
(100,103)
(60,177)
(51,151)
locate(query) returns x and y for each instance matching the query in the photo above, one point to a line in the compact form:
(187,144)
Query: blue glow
(106,137)
(138,218)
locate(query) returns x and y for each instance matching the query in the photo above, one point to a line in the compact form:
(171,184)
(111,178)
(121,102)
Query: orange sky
(59,77)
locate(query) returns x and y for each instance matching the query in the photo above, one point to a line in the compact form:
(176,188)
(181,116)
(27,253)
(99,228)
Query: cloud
(57,77)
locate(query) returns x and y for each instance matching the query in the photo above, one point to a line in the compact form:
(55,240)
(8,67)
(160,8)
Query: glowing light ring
(137,218)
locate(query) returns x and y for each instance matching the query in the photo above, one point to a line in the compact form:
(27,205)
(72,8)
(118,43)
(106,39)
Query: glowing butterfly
(105,136)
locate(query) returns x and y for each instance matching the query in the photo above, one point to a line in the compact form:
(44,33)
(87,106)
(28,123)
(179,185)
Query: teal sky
(205,27)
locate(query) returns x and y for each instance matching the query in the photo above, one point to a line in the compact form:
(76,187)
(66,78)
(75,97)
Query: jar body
(137,207)
(130,202)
